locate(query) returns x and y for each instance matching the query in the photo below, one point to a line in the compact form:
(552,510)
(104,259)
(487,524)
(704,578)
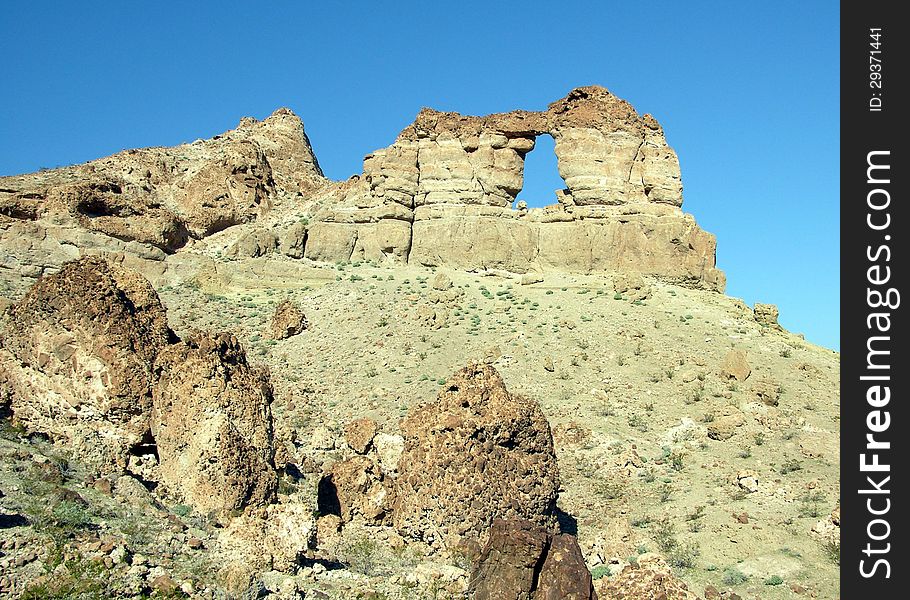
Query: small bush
(733,576)
(600,571)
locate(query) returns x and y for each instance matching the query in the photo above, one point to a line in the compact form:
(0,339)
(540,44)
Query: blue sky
(748,94)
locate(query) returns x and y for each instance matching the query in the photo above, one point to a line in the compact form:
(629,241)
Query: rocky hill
(225,376)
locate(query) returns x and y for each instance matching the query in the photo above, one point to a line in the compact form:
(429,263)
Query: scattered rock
(442,282)
(355,488)
(735,365)
(525,561)
(766,315)
(766,391)
(548,365)
(212,424)
(287,321)
(359,434)
(476,441)
(164,585)
(632,286)
(649,577)
(747,479)
(434,317)
(725,423)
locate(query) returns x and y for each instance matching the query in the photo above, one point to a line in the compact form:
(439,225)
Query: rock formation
(766,314)
(287,321)
(151,202)
(88,359)
(475,454)
(649,577)
(522,561)
(77,355)
(212,423)
(441,194)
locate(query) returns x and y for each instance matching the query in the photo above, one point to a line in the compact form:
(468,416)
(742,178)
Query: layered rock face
(151,202)
(212,423)
(442,194)
(476,454)
(87,358)
(76,358)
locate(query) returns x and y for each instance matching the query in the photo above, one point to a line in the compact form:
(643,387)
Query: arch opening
(541,179)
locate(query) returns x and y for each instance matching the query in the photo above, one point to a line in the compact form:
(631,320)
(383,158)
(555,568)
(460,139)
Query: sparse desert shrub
(790,466)
(774,580)
(600,571)
(681,555)
(832,551)
(361,554)
(733,576)
(638,422)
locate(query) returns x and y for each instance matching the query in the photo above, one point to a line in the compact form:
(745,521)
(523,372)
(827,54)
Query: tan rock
(452,207)
(355,488)
(359,434)
(254,243)
(389,449)
(747,479)
(725,423)
(631,286)
(767,391)
(649,577)
(735,365)
(274,539)
(76,359)
(475,441)
(287,321)
(766,315)
(212,424)
(442,282)
(161,197)
(434,317)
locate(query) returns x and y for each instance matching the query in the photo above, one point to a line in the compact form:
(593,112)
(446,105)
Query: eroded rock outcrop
(442,194)
(77,355)
(88,359)
(212,423)
(151,202)
(476,454)
(522,561)
(445,193)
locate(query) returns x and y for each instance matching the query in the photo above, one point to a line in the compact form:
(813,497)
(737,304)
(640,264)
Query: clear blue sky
(747,92)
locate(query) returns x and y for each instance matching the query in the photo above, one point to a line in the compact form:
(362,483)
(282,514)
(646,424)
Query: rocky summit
(224,375)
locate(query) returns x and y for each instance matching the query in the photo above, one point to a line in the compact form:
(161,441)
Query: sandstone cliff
(444,193)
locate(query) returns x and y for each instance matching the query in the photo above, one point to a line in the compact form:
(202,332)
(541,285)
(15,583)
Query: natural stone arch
(542,183)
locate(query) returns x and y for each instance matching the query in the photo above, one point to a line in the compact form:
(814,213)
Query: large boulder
(287,321)
(522,561)
(77,356)
(476,454)
(212,423)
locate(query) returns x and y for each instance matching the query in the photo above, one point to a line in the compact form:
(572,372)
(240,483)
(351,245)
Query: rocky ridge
(445,193)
